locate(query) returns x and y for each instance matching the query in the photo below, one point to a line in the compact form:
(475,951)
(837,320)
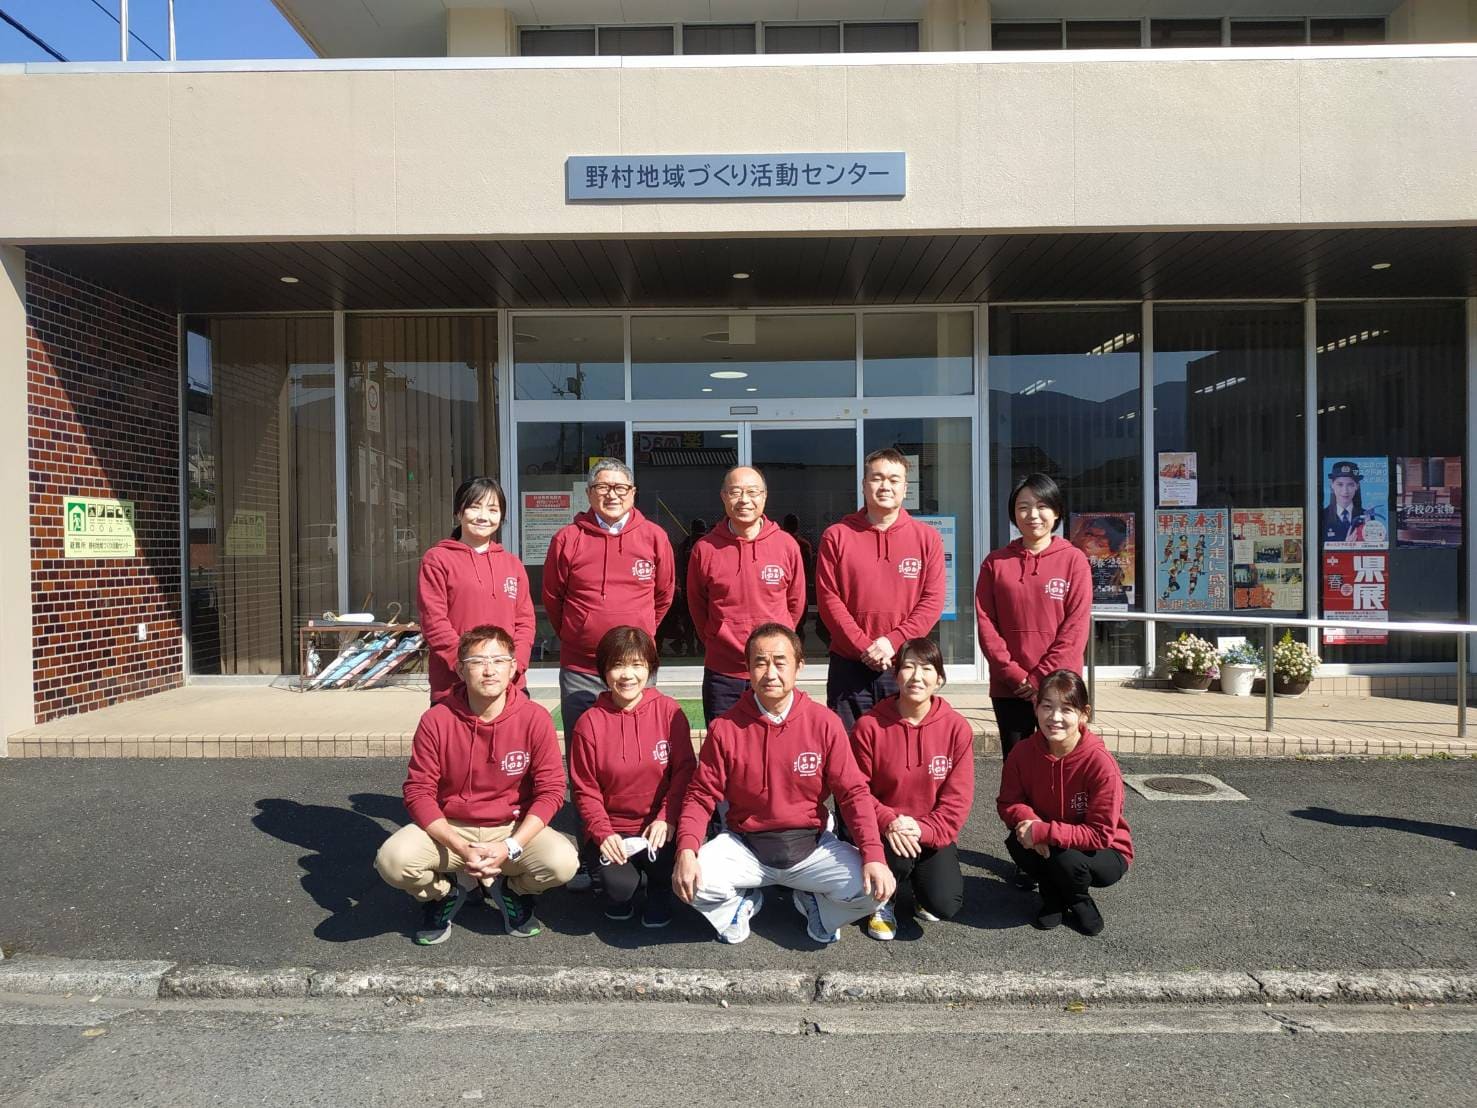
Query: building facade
(281,309)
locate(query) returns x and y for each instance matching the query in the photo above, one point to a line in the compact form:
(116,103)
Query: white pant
(833,871)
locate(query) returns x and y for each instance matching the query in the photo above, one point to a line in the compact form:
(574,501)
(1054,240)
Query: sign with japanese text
(1107,538)
(947,527)
(1355,588)
(1428,502)
(1356,512)
(1267,558)
(541,515)
(96,528)
(736,176)
(246,536)
(1190,560)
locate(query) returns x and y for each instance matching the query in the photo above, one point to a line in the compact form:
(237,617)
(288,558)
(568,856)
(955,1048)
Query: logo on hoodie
(510,587)
(515,762)
(808,764)
(910,568)
(642,570)
(1078,804)
(939,766)
(772,574)
(1057,588)
(661,752)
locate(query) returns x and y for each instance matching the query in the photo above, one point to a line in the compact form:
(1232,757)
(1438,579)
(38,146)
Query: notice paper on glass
(1428,502)
(1356,503)
(1190,550)
(540,517)
(947,527)
(1107,538)
(1179,480)
(1267,558)
(1355,588)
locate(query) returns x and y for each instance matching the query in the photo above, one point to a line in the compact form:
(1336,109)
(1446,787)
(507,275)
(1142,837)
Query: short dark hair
(483,632)
(772,630)
(1047,491)
(924,652)
(471,491)
(1068,685)
(886,454)
(620,643)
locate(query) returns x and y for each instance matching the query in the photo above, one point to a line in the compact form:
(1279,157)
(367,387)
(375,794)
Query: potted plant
(1293,666)
(1239,666)
(1191,662)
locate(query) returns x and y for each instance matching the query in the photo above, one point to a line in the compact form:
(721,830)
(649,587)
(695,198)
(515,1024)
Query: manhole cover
(1180,786)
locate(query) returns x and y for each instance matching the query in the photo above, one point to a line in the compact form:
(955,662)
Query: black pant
(932,879)
(1016,719)
(720,693)
(1067,875)
(854,688)
(621,882)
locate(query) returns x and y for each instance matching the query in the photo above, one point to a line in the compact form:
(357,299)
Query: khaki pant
(415,863)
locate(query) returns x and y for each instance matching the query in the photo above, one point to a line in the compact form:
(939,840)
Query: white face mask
(632,845)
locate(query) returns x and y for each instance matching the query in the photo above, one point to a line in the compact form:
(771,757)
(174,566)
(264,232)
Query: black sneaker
(1086,918)
(624,910)
(438,914)
(1024,881)
(516,909)
(658,911)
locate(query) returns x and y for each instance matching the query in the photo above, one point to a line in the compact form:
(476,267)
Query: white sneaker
(925,915)
(807,905)
(738,928)
(883,924)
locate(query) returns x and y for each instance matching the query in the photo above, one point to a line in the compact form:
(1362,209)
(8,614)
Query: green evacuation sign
(95,528)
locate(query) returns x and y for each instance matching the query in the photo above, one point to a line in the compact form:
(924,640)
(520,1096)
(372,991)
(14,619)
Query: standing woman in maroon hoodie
(470,581)
(1061,797)
(917,754)
(1031,604)
(630,764)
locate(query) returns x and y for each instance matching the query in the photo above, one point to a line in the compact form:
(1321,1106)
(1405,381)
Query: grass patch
(692,709)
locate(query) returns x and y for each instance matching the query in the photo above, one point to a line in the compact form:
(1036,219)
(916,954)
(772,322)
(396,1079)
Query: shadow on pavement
(1461,836)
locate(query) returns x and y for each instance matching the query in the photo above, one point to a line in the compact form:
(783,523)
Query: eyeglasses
(739,494)
(483,661)
(621,491)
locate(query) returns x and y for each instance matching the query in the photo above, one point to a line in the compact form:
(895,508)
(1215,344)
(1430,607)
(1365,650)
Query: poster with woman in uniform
(1356,513)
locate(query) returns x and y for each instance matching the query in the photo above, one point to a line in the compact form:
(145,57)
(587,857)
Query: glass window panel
(720,38)
(1065,401)
(1026,36)
(263,542)
(792,38)
(1347,32)
(635,41)
(1267,32)
(569,358)
(918,353)
(742,357)
(941,485)
(429,432)
(881,38)
(1392,385)
(560,42)
(556,458)
(1184,32)
(1103,34)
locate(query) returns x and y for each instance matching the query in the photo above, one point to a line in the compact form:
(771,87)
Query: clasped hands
(1026,837)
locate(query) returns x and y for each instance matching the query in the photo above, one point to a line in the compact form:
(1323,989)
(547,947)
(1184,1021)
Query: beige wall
(17,704)
(993,143)
(1434,21)
(480,33)
(955,25)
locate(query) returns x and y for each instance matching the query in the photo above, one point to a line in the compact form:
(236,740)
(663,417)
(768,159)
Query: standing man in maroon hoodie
(485,779)
(611,567)
(879,581)
(777,757)
(744,572)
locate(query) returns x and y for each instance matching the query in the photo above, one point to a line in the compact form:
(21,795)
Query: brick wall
(102,382)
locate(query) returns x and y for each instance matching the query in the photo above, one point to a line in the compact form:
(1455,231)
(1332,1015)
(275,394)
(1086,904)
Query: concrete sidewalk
(1357,877)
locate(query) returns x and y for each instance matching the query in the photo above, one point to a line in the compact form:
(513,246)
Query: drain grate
(1180,786)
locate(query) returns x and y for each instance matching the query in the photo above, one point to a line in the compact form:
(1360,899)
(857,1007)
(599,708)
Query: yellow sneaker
(883,924)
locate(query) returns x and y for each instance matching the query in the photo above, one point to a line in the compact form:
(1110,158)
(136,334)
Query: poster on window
(540,517)
(1267,559)
(1190,560)
(1355,588)
(1428,502)
(1179,480)
(1356,504)
(948,529)
(1107,538)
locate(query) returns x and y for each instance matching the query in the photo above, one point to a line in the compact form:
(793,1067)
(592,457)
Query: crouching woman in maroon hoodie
(917,754)
(1061,797)
(630,763)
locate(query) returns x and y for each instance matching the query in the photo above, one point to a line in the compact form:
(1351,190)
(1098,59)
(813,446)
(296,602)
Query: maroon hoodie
(629,768)
(870,583)
(594,581)
(461,589)
(778,776)
(1032,612)
(484,773)
(1079,797)
(734,585)
(926,772)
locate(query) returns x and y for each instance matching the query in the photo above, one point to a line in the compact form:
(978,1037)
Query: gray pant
(577,694)
(833,871)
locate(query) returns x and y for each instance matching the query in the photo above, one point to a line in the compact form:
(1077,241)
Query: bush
(1293,660)
(1191,654)
(1242,654)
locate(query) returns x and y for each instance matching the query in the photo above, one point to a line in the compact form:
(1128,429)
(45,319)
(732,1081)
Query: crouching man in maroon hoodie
(776,757)
(485,779)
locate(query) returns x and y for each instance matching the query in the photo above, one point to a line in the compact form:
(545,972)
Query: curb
(150,980)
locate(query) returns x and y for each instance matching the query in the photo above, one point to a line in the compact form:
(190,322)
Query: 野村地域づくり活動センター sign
(93,527)
(836,176)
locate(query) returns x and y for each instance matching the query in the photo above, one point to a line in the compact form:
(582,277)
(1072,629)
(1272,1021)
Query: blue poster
(1190,560)
(1356,503)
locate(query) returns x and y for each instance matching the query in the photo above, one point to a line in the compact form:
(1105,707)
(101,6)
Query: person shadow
(1452,833)
(338,870)
(991,900)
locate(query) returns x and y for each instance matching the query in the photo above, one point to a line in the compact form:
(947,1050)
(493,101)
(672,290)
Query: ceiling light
(729,435)
(288,280)
(577,338)
(1380,265)
(524,336)
(741,276)
(707,388)
(728,375)
(658,338)
(751,388)
(716,336)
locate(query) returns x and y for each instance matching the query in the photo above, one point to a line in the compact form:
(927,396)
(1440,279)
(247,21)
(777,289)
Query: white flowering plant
(1191,654)
(1293,660)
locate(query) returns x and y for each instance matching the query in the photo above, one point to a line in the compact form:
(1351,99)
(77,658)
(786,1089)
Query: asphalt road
(369,1054)
(1329,864)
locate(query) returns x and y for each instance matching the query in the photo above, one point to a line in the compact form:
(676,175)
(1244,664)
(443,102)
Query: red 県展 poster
(1355,588)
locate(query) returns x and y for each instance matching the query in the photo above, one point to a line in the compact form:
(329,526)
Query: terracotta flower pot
(1282,686)
(1189,682)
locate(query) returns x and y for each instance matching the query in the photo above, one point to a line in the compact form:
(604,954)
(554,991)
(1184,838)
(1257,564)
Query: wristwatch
(515,848)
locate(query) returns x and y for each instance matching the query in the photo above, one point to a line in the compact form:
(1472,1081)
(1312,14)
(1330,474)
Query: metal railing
(1270,626)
